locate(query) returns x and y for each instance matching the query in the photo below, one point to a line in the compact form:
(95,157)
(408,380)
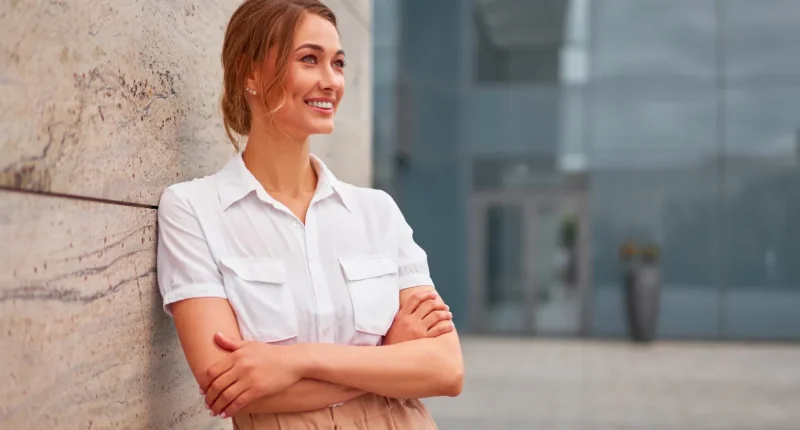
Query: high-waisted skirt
(368,412)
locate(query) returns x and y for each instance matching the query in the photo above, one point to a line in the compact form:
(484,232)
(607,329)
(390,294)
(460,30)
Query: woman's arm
(305,395)
(198,319)
(247,379)
(415,369)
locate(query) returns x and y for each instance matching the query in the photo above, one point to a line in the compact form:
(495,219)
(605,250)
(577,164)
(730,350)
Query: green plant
(628,250)
(650,253)
(569,231)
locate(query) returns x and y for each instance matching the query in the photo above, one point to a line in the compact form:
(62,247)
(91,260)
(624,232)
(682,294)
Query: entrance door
(529,253)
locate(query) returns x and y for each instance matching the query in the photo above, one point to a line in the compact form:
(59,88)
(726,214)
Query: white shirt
(335,279)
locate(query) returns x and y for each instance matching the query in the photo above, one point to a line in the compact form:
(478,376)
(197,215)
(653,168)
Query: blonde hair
(255,28)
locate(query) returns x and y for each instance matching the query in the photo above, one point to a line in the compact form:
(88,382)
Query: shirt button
(296,224)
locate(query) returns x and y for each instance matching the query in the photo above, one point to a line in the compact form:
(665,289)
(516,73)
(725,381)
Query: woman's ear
(251,79)
(251,83)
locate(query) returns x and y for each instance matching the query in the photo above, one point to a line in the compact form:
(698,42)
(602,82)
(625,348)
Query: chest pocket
(257,291)
(374,290)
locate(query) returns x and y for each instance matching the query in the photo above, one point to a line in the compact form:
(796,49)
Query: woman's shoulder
(185,192)
(373,201)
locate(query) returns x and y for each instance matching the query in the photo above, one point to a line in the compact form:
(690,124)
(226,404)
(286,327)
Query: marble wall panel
(85,344)
(116,100)
(110,99)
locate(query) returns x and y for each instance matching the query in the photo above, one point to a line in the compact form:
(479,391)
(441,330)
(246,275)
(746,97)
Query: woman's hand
(424,315)
(252,370)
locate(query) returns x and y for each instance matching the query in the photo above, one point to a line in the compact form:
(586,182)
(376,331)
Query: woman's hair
(256,27)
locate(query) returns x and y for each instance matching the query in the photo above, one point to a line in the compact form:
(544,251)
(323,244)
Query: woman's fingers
(440,328)
(430,305)
(435,317)
(217,369)
(244,399)
(227,343)
(415,300)
(219,385)
(227,397)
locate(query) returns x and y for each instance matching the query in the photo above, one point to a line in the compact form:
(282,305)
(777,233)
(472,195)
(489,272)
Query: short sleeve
(186,268)
(412,260)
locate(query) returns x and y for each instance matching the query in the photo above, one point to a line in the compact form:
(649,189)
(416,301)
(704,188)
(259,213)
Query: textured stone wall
(104,103)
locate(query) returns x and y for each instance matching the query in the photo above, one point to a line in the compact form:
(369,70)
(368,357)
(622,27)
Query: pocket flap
(358,268)
(257,269)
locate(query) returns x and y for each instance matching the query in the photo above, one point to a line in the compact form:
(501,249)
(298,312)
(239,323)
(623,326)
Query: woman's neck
(282,165)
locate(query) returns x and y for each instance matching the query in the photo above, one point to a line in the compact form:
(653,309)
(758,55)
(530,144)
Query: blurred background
(530,141)
(587,172)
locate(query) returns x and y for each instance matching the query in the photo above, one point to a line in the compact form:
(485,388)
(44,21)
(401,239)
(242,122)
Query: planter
(641,280)
(642,296)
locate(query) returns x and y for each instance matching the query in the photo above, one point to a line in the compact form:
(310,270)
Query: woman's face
(314,83)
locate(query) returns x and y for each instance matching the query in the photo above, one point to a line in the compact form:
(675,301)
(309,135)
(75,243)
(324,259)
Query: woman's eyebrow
(316,47)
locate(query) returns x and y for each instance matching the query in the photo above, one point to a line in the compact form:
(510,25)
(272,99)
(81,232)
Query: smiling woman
(300,301)
(279,52)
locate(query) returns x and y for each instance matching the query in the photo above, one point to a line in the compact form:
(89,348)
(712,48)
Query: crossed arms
(253,377)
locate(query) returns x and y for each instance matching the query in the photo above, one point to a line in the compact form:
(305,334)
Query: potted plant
(641,279)
(650,254)
(628,251)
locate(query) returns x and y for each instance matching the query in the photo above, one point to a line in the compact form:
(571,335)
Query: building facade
(529,141)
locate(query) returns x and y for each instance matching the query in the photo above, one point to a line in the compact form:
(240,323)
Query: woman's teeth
(321,105)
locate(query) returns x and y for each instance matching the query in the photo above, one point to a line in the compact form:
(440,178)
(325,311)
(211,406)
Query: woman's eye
(310,59)
(340,63)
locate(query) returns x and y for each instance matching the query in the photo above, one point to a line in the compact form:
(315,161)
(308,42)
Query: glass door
(528,264)
(560,265)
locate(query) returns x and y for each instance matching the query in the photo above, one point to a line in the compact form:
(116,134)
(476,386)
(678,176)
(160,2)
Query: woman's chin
(324,128)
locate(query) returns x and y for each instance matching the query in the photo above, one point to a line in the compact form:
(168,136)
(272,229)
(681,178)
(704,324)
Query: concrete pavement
(610,385)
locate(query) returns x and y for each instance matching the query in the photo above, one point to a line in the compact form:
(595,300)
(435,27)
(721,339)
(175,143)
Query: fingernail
(211,413)
(201,391)
(223,415)
(451,314)
(447,307)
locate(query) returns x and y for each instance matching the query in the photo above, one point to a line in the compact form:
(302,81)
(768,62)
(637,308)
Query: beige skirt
(368,412)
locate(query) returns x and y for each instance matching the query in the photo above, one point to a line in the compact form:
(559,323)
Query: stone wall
(102,105)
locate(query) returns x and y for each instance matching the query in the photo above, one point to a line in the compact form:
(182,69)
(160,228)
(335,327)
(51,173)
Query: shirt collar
(235,181)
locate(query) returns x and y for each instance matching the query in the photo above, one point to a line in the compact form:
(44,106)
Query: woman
(300,301)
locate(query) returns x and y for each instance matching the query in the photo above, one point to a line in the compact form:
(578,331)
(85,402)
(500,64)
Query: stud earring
(251,91)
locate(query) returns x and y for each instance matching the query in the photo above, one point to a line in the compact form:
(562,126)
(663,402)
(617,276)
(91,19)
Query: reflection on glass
(761,40)
(504,268)
(556,270)
(758,241)
(652,129)
(519,41)
(671,40)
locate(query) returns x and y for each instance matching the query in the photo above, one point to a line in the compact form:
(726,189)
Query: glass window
(758,241)
(654,180)
(649,39)
(652,128)
(761,40)
(518,41)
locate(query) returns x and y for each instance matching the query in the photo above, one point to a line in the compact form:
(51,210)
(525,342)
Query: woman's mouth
(320,104)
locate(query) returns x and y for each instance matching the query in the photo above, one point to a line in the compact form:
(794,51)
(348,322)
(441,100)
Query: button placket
(317,275)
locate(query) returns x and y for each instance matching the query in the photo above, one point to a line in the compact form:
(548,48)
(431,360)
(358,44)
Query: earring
(251,91)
